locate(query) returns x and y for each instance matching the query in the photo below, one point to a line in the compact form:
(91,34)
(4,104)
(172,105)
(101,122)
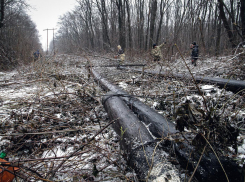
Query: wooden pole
(47,38)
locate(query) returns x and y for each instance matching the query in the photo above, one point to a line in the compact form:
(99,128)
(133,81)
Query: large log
(143,153)
(208,170)
(228,84)
(158,125)
(126,124)
(211,168)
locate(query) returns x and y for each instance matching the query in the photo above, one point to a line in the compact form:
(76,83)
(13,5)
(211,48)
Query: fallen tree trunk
(210,168)
(117,65)
(231,85)
(159,126)
(143,153)
(126,124)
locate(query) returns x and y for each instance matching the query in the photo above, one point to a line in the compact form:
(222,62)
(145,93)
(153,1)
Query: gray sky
(45,14)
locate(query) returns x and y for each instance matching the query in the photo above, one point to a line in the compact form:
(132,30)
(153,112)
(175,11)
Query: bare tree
(121,22)
(1,13)
(242,14)
(153,20)
(161,20)
(104,21)
(226,24)
(129,24)
(113,23)
(85,14)
(18,35)
(147,27)
(217,47)
(231,28)
(139,23)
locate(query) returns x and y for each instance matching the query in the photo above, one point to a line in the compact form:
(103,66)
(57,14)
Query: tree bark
(153,20)
(113,20)
(141,24)
(217,47)
(160,22)
(242,13)
(129,24)
(121,23)
(90,26)
(104,21)
(226,24)
(126,124)
(1,13)
(147,29)
(143,153)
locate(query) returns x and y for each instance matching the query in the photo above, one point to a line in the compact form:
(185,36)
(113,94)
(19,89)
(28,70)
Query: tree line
(18,34)
(216,25)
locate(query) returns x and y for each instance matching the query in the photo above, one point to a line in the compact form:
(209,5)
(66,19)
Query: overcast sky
(45,14)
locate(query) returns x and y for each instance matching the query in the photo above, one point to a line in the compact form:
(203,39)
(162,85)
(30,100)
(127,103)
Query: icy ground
(48,115)
(51,109)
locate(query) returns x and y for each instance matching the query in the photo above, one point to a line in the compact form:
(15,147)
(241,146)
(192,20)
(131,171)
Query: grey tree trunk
(130,43)
(147,29)
(153,20)
(1,13)
(243,18)
(217,47)
(121,22)
(160,22)
(103,12)
(141,24)
(228,29)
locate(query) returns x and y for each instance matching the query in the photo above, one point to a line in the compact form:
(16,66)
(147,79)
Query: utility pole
(47,38)
(53,42)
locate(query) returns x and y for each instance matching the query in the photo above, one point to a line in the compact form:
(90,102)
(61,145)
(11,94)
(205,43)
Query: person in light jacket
(121,54)
(156,52)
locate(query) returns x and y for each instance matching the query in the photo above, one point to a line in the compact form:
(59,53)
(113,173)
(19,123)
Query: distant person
(156,52)
(121,54)
(194,53)
(36,55)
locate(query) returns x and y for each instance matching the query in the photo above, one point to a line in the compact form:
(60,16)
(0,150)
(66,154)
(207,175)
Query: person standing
(121,54)
(194,53)
(36,55)
(156,52)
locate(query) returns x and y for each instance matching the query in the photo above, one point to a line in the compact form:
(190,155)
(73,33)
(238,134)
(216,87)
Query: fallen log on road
(208,166)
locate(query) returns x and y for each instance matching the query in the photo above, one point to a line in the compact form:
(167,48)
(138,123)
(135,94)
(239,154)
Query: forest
(18,34)
(216,25)
(79,113)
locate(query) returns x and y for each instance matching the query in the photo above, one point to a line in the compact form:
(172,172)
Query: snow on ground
(51,95)
(160,93)
(48,96)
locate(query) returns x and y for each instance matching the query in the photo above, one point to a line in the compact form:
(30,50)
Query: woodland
(58,113)
(100,25)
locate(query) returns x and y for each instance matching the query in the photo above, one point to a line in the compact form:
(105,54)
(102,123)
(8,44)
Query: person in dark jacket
(194,53)
(36,55)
